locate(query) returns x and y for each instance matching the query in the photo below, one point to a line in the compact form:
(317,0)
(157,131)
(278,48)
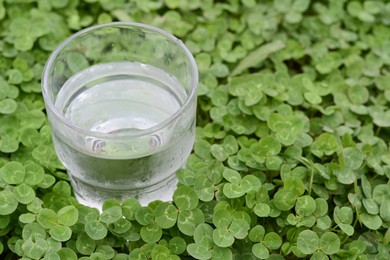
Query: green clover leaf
(204,188)
(8,106)
(13,172)
(185,198)
(325,144)
(151,233)
(129,207)
(305,205)
(60,233)
(111,215)
(188,220)
(24,193)
(68,216)
(84,244)
(95,230)
(308,242)
(166,215)
(329,243)
(144,215)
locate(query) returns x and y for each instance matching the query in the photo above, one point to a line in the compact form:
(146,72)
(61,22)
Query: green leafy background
(291,158)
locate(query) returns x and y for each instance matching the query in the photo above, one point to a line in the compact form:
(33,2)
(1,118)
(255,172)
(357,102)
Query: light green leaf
(47,218)
(321,207)
(222,237)
(329,243)
(8,106)
(76,61)
(353,158)
(160,252)
(343,215)
(267,146)
(300,5)
(219,152)
(256,234)
(111,215)
(325,144)
(305,205)
(260,251)
(262,209)
(8,144)
(222,253)
(204,188)
(35,249)
(381,193)
(13,172)
(233,190)
(347,229)
(144,215)
(295,185)
(239,228)
(151,233)
(253,93)
(68,216)
(257,56)
(96,230)
(373,222)
(84,244)
(177,245)
(324,222)
(185,198)
(129,207)
(25,218)
(34,173)
(272,241)
(188,220)
(166,215)
(308,241)
(284,199)
(121,226)
(370,206)
(67,253)
(199,251)
(232,176)
(222,218)
(60,233)
(385,210)
(24,193)
(8,203)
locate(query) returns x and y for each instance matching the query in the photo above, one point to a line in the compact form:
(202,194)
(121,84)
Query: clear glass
(121,102)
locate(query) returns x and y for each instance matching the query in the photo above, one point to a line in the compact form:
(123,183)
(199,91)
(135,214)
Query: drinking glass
(121,101)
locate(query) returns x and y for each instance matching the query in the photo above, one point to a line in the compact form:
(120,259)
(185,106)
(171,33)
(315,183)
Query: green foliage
(291,158)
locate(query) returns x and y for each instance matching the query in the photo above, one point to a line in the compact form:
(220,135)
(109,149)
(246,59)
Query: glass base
(94,197)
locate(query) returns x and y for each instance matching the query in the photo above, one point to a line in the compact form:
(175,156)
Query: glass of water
(121,101)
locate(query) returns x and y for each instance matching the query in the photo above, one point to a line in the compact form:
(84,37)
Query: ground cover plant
(292,154)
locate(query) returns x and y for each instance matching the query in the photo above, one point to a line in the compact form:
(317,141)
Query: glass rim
(193,84)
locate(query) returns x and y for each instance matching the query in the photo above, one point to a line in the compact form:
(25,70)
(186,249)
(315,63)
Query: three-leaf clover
(264,242)
(309,242)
